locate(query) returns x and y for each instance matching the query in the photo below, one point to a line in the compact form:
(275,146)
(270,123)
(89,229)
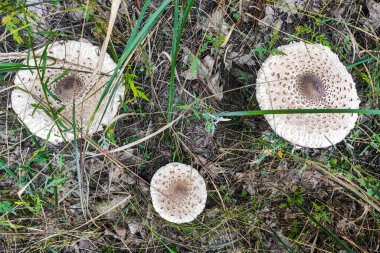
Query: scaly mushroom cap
(178,192)
(69,76)
(307,77)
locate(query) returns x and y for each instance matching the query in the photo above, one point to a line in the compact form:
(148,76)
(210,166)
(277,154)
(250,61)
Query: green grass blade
(174,60)
(77,162)
(336,239)
(170,250)
(7,170)
(177,34)
(278,238)
(138,24)
(46,159)
(184,18)
(152,20)
(359,62)
(10,66)
(43,63)
(41,69)
(296,111)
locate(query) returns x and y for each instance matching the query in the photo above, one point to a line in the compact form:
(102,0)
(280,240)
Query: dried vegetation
(264,194)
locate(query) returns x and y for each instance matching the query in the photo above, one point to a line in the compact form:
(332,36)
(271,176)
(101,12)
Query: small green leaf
(6,207)
(55,182)
(37,200)
(278,52)
(362,182)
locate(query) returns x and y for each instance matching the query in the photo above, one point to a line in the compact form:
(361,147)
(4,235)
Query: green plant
(180,18)
(137,35)
(215,40)
(199,111)
(312,30)
(6,207)
(129,84)
(321,213)
(11,20)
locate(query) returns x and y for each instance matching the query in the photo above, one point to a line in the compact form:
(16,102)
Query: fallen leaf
(202,70)
(216,22)
(374,13)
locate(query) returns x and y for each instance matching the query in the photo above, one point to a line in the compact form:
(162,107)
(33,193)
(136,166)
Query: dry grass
(258,184)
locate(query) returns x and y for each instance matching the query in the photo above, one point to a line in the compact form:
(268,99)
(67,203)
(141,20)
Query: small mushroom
(178,192)
(305,76)
(68,79)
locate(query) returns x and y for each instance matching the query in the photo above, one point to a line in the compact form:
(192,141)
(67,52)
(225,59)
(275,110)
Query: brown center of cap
(178,190)
(311,86)
(69,88)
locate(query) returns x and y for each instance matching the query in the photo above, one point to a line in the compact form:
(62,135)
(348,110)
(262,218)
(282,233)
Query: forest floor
(264,194)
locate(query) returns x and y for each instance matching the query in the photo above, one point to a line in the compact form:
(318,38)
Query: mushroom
(68,77)
(178,192)
(304,76)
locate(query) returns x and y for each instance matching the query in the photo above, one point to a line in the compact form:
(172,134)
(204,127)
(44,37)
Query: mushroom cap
(69,75)
(178,192)
(307,77)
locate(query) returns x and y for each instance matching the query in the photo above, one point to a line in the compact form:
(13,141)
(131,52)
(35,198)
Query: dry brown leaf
(105,208)
(215,23)
(204,73)
(374,13)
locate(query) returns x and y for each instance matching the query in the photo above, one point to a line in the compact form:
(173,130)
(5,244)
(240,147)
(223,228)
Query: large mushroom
(305,76)
(44,97)
(178,192)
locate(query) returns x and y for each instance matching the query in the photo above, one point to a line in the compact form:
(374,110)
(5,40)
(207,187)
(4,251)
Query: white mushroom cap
(69,72)
(178,192)
(307,77)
